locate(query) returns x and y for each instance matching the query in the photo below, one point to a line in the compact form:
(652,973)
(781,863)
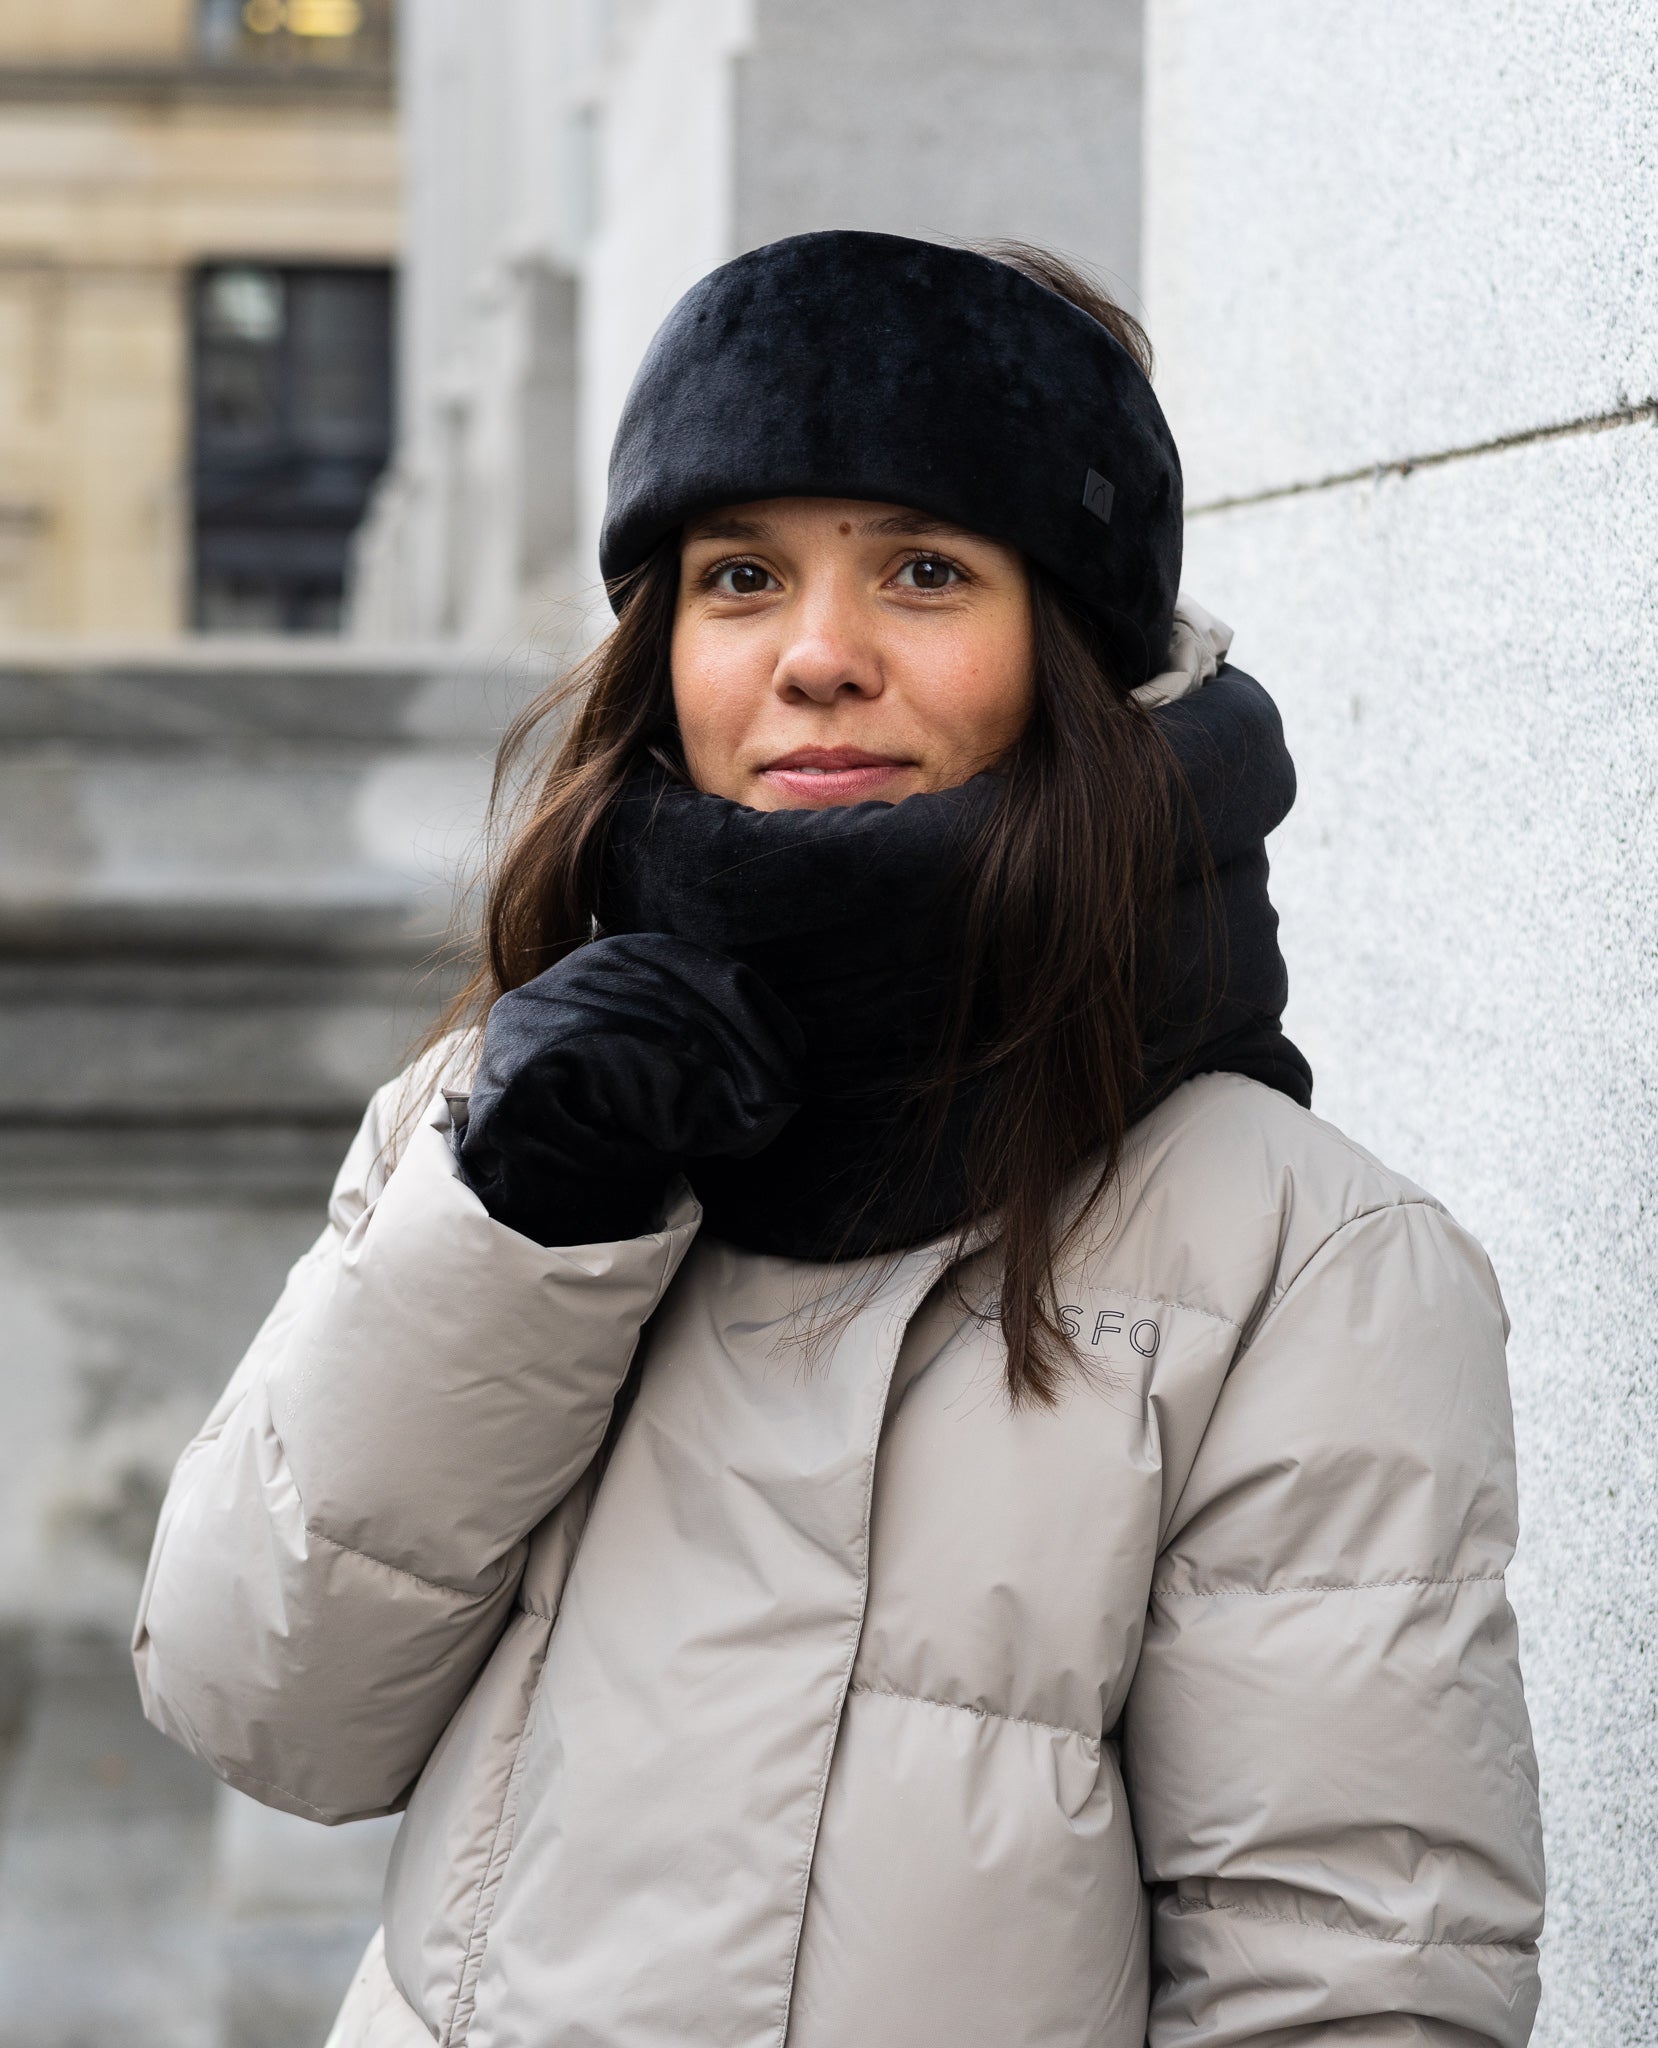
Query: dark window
(292,420)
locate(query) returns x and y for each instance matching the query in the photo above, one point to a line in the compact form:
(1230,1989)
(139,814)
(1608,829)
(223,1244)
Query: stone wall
(1402,261)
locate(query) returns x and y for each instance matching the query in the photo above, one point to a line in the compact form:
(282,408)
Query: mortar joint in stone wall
(1643,414)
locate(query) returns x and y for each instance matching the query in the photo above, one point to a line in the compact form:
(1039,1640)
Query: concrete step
(228,873)
(139,1041)
(216,803)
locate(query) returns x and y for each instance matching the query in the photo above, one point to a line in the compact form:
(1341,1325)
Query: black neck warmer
(853,917)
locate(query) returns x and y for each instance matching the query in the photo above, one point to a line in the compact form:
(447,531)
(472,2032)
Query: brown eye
(742,579)
(930,572)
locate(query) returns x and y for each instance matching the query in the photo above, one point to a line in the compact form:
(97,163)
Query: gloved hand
(605,1075)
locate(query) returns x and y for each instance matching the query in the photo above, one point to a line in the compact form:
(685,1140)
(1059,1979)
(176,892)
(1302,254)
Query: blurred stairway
(225,875)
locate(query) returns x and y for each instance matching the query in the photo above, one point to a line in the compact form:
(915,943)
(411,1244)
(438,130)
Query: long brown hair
(1065,923)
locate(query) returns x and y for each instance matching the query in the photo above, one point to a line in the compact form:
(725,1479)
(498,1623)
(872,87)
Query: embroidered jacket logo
(1144,1335)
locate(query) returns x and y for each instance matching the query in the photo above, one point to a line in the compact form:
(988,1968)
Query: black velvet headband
(849,365)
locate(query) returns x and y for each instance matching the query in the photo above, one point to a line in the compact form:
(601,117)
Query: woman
(863,1466)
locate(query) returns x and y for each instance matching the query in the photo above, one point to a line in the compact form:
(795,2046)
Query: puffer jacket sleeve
(340,1544)
(1326,1744)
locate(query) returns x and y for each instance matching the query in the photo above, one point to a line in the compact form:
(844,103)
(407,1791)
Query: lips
(828,760)
(833,775)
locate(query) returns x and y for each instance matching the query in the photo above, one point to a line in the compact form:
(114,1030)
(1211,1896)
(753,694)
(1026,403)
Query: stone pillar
(1400,263)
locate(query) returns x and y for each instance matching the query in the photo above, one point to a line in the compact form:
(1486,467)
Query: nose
(828,653)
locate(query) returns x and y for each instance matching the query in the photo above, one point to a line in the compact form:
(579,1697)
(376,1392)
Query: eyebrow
(900,525)
(913,523)
(726,529)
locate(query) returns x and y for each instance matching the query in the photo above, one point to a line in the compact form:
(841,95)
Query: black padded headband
(849,365)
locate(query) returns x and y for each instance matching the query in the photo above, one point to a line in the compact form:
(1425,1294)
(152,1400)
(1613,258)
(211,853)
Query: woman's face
(826,651)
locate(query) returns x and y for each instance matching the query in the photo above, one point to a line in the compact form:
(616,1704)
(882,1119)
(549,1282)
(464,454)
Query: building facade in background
(574,165)
(198,217)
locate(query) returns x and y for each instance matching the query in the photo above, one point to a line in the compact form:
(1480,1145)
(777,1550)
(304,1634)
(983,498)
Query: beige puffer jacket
(848,1708)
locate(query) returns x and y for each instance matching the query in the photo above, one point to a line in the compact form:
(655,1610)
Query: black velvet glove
(615,1069)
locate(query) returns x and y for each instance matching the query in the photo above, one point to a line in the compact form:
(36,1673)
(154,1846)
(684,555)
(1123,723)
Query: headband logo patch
(1098,495)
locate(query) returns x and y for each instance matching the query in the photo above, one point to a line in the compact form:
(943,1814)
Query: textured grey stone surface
(1391,233)
(1465,661)
(1391,227)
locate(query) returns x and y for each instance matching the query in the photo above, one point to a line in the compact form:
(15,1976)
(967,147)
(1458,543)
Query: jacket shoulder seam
(1331,1134)
(921,1699)
(1265,1308)
(1320,1586)
(1521,1948)
(1169,1301)
(1284,1287)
